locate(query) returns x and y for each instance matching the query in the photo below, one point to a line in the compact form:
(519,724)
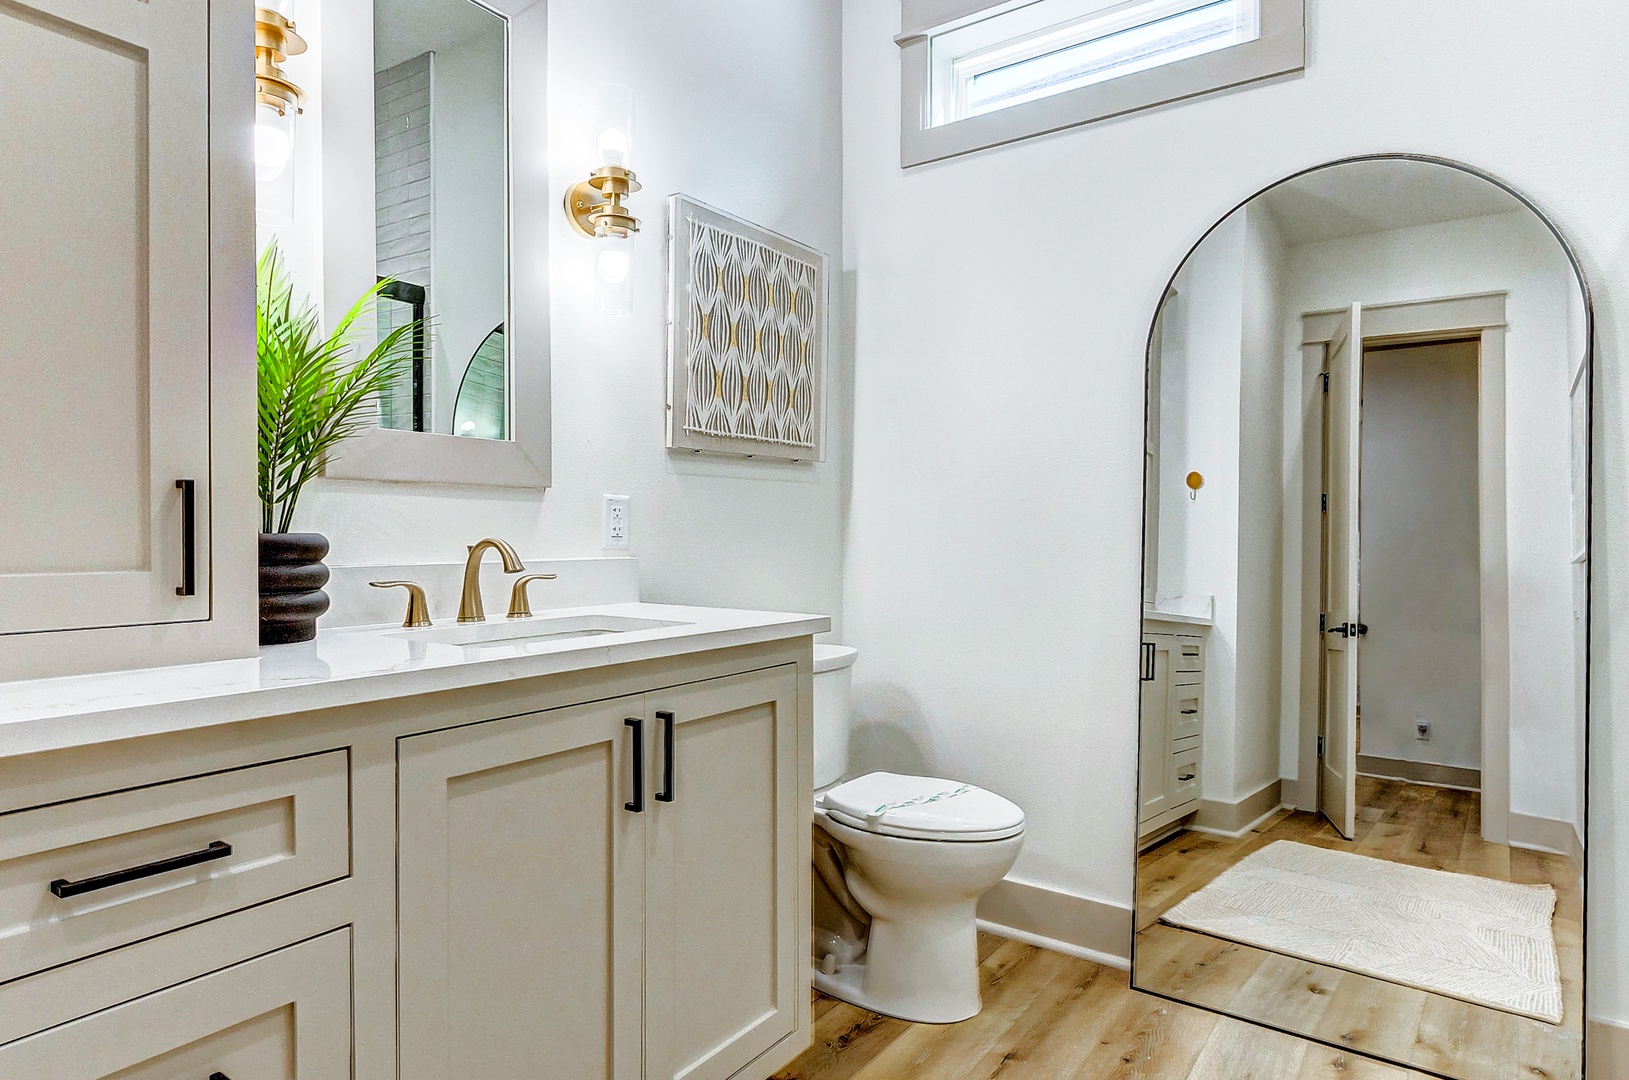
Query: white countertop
(351,666)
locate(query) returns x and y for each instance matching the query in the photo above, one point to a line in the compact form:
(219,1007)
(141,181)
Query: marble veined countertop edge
(352,666)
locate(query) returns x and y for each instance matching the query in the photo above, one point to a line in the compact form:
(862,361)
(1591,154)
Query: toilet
(900,863)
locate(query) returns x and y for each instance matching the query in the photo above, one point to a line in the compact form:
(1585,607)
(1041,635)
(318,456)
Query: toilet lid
(922,808)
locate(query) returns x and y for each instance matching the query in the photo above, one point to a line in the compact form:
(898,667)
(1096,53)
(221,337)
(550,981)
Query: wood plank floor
(1052,1017)
(1401,822)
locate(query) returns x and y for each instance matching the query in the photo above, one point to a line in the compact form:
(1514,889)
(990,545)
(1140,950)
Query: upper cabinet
(125,331)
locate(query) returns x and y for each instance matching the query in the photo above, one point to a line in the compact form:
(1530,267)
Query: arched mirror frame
(1588,370)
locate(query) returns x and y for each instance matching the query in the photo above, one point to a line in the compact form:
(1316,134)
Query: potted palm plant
(315,392)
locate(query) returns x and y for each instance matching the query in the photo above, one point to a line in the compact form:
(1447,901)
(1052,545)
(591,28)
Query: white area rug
(1472,938)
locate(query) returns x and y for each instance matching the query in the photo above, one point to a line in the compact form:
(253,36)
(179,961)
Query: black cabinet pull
(1185,777)
(1148,661)
(637,805)
(666,794)
(1189,712)
(189,538)
(219,1076)
(62,888)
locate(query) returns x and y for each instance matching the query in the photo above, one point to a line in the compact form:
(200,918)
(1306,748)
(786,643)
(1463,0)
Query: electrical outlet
(1422,730)
(615,523)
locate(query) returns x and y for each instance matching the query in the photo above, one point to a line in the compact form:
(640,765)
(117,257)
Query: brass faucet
(469,607)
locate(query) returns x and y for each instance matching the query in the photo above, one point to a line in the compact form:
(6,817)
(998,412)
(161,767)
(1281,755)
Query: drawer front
(80,877)
(282,1016)
(1187,711)
(1184,779)
(1188,654)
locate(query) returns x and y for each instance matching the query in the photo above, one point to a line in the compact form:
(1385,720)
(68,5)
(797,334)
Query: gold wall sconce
(1195,482)
(597,207)
(277,102)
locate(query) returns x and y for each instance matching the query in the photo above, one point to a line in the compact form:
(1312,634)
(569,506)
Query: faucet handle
(418,609)
(519,608)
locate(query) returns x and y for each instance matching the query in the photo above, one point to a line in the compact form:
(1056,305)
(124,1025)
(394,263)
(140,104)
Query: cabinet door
(1154,742)
(725,974)
(521,897)
(104,322)
(283,1016)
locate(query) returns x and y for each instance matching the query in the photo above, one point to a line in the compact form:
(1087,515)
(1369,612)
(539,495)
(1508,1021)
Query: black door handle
(637,805)
(219,1076)
(189,537)
(1360,629)
(62,888)
(666,794)
(1344,630)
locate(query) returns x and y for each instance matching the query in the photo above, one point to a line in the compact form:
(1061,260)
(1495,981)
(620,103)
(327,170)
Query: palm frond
(312,394)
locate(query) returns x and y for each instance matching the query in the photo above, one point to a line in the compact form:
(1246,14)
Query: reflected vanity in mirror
(428,132)
(1363,724)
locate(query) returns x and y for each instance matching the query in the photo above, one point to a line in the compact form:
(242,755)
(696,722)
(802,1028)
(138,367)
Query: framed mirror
(428,134)
(1364,711)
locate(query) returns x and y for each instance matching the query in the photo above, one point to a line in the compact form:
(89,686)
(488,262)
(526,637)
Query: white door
(283,1016)
(726,976)
(1344,627)
(104,312)
(1154,749)
(521,864)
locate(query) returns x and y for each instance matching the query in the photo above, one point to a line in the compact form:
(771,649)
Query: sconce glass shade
(613,275)
(613,138)
(274,166)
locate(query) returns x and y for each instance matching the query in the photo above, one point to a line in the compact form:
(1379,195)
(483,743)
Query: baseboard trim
(1074,925)
(1545,834)
(1420,772)
(1606,1049)
(1236,818)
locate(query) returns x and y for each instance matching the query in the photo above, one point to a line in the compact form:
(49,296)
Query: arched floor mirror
(1364,721)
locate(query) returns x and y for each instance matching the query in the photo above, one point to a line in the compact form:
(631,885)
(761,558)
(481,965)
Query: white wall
(993,543)
(1513,253)
(738,105)
(1421,569)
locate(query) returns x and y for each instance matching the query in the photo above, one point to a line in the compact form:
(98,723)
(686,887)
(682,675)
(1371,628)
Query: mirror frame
(524,460)
(1587,368)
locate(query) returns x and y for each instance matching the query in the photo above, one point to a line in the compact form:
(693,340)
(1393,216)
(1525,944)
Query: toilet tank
(833,676)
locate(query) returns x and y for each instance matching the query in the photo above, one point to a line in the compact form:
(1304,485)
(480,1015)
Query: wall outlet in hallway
(615,522)
(1422,730)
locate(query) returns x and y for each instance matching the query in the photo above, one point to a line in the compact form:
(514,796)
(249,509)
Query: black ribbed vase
(292,575)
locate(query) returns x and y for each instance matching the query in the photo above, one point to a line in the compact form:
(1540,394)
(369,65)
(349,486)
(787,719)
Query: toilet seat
(921,808)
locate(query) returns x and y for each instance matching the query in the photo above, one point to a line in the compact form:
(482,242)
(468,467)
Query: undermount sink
(539,628)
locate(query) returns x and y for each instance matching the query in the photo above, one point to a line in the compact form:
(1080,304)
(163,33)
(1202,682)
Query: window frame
(1279,50)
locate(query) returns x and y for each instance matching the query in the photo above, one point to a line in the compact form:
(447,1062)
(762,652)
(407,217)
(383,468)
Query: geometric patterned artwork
(1476,939)
(747,318)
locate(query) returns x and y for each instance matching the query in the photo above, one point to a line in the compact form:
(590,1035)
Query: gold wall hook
(519,608)
(418,609)
(594,206)
(1195,482)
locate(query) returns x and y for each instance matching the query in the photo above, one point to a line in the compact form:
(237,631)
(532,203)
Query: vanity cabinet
(128,509)
(610,888)
(1172,729)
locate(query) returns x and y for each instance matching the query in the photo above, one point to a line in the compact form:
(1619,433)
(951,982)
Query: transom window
(1053,46)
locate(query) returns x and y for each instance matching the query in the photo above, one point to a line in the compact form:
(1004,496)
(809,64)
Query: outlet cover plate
(615,519)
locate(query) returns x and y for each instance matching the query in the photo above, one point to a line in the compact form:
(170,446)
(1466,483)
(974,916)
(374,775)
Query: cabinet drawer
(282,1016)
(87,875)
(1188,654)
(1184,776)
(1187,711)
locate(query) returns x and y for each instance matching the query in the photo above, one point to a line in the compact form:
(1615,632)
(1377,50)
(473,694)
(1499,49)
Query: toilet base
(848,984)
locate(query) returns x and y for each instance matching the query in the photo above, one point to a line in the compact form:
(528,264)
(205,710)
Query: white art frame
(727,278)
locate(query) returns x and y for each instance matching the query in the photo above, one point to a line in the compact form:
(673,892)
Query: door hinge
(1320,746)
(1326,502)
(1326,382)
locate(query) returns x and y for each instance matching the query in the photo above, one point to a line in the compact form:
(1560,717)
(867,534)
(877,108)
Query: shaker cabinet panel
(282,1016)
(105,326)
(521,897)
(723,877)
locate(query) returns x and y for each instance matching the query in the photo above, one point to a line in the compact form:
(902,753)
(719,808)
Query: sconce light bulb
(272,143)
(613,147)
(466,427)
(613,266)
